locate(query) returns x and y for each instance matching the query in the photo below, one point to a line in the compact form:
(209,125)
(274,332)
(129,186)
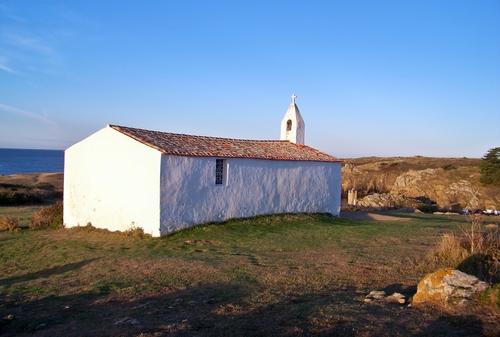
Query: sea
(13,161)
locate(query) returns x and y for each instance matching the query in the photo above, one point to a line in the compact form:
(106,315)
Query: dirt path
(370,216)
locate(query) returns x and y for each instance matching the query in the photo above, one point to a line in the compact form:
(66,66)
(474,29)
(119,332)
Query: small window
(219,171)
(289,125)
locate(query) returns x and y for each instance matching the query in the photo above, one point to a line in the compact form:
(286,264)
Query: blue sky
(372,77)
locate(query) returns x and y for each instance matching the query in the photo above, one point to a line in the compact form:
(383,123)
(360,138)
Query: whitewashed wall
(189,194)
(297,133)
(113,182)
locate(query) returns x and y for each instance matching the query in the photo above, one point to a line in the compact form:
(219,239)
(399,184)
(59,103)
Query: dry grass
(449,251)
(48,217)
(9,223)
(473,236)
(475,249)
(282,275)
(34,179)
(135,232)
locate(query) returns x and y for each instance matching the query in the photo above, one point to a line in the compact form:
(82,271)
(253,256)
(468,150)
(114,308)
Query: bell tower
(292,125)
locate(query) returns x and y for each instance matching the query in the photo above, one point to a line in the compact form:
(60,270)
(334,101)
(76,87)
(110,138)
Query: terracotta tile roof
(201,146)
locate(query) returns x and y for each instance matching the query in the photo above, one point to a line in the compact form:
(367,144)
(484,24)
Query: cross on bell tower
(292,125)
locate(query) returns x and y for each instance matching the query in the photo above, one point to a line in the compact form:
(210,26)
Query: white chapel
(121,177)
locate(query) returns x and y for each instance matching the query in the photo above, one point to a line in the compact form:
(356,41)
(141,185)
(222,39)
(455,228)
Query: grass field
(23,213)
(288,275)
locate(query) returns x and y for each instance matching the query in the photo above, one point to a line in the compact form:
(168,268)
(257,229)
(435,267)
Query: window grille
(219,171)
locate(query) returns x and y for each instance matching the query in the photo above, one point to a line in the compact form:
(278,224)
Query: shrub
(135,231)
(449,250)
(448,167)
(428,208)
(9,223)
(89,228)
(474,250)
(10,198)
(48,217)
(427,205)
(490,167)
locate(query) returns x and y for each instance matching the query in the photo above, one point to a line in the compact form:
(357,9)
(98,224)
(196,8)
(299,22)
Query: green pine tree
(490,167)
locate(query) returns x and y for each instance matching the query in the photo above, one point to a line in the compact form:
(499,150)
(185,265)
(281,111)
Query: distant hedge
(12,198)
(28,197)
(490,167)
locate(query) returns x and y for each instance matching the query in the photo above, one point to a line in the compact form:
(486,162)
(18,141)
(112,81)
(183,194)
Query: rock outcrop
(434,185)
(452,183)
(387,200)
(448,286)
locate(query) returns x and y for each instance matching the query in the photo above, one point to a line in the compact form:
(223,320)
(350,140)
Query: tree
(490,167)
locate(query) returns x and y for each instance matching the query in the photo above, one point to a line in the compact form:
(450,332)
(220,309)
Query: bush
(474,250)
(448,167)
(490,167)
(449,251)
(11,198)
(48,217)
(9,223)
(428,208)
(135,232)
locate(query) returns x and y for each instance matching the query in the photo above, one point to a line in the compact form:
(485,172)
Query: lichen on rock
(448,286)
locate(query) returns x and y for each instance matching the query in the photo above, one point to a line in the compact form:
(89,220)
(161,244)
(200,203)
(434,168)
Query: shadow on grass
(264,222)
(45,273)
(408,291)
(221,310)
(426,217)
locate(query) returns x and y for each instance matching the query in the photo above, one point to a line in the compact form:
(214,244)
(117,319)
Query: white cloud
(25,113)
(30,43)
(6,68)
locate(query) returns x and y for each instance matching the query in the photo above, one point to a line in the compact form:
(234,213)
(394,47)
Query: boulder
(448,286)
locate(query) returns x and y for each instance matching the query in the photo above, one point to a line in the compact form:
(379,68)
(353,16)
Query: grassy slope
(278,275)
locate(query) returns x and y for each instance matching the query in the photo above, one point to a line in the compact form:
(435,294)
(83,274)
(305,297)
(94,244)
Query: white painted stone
(116,182)
(113,182)
(189,195)
(292,125)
